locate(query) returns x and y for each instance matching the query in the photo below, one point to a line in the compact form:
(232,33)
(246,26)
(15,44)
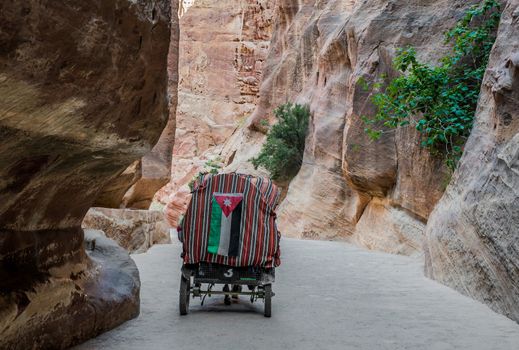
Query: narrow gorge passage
(329,295)
(112,111)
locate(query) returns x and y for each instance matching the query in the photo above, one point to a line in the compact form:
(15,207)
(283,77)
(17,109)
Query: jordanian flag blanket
(231,220)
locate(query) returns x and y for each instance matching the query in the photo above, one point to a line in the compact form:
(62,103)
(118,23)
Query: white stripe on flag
(228,194)
(225,235)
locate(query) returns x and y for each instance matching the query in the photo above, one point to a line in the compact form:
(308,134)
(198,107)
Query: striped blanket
(231,220)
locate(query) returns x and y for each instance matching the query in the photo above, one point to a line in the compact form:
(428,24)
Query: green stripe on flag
(214,231)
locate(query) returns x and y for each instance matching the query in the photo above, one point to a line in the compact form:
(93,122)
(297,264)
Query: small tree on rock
(282,152)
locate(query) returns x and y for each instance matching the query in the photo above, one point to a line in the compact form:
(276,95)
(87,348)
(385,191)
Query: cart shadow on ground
(217,305)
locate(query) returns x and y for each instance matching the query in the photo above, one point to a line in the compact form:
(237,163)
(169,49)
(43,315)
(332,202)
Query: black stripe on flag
(234,244)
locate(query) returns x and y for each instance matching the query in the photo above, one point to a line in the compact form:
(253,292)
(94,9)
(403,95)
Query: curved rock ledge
(59,310)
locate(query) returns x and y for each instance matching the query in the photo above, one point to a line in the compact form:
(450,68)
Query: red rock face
(83,94)
(223,45)
(177,206)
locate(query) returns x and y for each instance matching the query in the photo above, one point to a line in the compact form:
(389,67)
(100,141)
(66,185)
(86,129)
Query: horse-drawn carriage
(229,236)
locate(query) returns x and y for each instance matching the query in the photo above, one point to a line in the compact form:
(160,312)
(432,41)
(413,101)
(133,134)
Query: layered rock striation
(472,237)
(223,45)
(134,230)
(83,94)
(136,186)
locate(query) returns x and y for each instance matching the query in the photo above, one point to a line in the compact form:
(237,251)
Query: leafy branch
(440,101)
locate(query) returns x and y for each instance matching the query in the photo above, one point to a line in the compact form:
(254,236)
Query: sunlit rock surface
(223,45)
(83,94)
(134,230)
(472,237)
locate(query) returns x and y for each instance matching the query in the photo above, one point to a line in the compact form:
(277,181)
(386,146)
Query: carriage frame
(198,278)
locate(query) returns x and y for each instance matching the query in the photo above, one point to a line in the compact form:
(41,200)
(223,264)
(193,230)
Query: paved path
(328,296)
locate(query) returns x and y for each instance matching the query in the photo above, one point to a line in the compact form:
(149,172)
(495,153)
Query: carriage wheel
(227,297)
(184,295)
(268,300)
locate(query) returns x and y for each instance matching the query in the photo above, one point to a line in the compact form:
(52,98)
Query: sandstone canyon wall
(136,186)
(381,194)
(377,194)
(134,230)
(223,44)
(83,93)
(473,234)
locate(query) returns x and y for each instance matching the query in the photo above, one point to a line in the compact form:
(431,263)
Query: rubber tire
(227,297)
(268,300)
(185,288)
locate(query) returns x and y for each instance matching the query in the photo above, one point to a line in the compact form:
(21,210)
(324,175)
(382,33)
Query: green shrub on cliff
(440,102)
(282,152)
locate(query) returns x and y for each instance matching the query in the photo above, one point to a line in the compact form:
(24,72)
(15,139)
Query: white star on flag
(227,202)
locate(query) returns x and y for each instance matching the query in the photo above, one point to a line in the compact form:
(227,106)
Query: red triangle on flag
(228,201)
